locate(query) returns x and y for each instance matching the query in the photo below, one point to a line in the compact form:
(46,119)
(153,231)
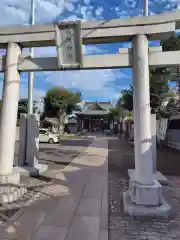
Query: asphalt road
(62,154)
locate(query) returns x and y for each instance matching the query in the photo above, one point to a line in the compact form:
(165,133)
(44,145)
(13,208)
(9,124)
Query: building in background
(94,116)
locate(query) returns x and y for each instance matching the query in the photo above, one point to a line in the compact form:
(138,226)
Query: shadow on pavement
(168,161)
(120,157)
(53,204)
(76,142)
(52,156)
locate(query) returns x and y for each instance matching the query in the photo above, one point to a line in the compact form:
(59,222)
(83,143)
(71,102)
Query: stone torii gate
(145,194)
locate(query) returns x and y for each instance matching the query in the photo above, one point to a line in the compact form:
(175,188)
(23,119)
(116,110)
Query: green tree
(171,44)
(126,99)
(114,113)
(23,106)
(158,91)
(158,80)
(130,115)
(58,102)
(158,87)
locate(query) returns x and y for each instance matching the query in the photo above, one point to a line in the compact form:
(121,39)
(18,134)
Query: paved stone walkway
(72,201)
(73,205)
(122,227)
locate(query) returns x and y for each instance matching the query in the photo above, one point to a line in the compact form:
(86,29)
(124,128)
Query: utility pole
(31,74)
(146,8)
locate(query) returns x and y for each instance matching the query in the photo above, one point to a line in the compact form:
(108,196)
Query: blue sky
(100,85)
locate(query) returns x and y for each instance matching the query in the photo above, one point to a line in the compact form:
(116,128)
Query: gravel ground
(125,227)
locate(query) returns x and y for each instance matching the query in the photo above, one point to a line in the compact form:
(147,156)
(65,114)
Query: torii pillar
(9,180)
(145,194)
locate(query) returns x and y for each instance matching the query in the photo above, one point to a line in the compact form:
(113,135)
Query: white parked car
(46,136)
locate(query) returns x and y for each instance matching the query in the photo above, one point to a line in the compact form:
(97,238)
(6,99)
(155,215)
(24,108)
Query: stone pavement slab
(89,207)
(63,212)
(50,232)
(104,210)
(71,205)
(93,189)
(103,235)
(24,227)
(84,228)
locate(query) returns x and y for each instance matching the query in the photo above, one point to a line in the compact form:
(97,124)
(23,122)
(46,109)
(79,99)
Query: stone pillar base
(31,171)
(148,195)
(145,200)
(132,209)
(157,176)
(13,178)
(10,190)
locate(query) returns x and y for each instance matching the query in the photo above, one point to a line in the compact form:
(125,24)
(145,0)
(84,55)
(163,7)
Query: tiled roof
(104,105)
(92,112)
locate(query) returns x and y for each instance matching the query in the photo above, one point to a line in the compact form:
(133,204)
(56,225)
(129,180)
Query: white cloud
(72,18)
(70,6)
(93,49)
(51,51)
(23,93)
(168,6)
(100,82)
(37,93)
(52,9)
(18,12)
(117,9)
(106,94)
(89,80)
(45,52)
(130,3)
(99,11)
(131,8)
(15,12)
(86,11)
(127,45)
(87,2)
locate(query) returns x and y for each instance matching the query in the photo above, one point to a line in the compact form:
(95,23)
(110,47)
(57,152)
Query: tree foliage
(60,99)
(126,99)
(130,115)
(173,105)
(171,44)
(114,113)
(158,90)
(158,82)
(23,106)
(58,102)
